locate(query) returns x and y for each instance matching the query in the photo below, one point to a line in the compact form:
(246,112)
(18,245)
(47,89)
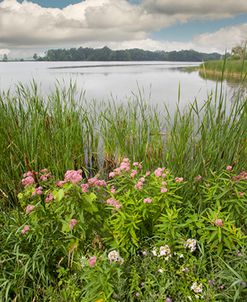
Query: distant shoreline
(114,65)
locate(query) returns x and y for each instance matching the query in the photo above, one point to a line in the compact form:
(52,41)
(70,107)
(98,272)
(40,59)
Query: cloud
(223,39)
(27,23)
(4,51)
(197,8)
(26,26)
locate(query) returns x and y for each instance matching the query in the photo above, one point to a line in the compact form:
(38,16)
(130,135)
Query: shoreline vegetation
(110,202)
(224,69)
(97,135)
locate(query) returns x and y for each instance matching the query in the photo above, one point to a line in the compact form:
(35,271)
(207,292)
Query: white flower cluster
(164,251)
(190,244)
(114,256)
(196,287)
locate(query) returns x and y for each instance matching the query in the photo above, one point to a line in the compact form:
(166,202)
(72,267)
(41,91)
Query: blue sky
(37,25)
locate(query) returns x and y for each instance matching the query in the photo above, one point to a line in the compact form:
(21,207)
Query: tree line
(107,54)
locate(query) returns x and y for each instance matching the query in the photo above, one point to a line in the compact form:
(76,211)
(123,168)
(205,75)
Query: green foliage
(126,239)
(106,54)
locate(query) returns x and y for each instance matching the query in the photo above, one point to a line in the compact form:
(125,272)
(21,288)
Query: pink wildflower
(25,229)
(198,178)
(158,172)
(45,177)
(219,222)
(49,198)
(241,194)
(113,190)
(163,190)
(29,180)
(92,261)
(147,200)
(73,176)
(139,185)
(133,173)
(29,208)
(72,223)
(113,202)
(37,191)
(84,188)
(179,179)
(241,176)
(60,183)
(147,173)
(137,164)
(112,174)
(93,181)
(44,171)
(229,168)
(125,166)
(27,174)
(101,183)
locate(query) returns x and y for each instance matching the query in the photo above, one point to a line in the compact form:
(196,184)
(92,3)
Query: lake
(159,82)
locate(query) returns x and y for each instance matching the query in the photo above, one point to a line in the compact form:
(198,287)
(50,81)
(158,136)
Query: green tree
(5,58)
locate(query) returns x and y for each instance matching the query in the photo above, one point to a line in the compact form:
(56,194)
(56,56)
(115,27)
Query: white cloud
(4,51)
(26,26)
(223,39)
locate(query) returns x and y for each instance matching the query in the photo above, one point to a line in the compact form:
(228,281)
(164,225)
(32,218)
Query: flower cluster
(45,175)
(49,198)
(124,166)
(73,176)
(197,287)
(165,251)
(25,229)
(179,179)
(113,202)
(37,191)
(148,200)
(114,256)
(73,223)
(29,208)
(28,179)
(241,176)
(140,183)
(159,172)
(190,244)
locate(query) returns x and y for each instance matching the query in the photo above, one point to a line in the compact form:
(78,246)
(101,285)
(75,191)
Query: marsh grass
(65,131)
(229,69)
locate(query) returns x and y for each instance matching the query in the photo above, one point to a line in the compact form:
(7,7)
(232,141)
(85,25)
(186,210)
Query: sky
(34,26)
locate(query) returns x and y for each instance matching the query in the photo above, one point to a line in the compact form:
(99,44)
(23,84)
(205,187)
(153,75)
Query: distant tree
(239,51)
(5,58)
(35,57)
(106,54)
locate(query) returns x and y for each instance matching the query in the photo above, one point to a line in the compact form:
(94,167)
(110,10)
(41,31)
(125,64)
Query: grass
(65,131)
(225,68)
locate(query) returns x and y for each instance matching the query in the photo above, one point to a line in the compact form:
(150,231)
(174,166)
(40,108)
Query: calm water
(158,81)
